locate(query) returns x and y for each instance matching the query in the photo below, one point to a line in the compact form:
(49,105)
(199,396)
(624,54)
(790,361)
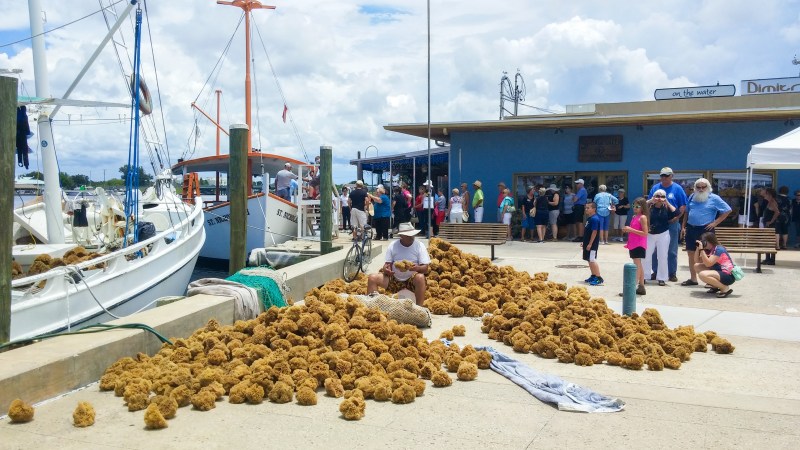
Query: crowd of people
(653,226)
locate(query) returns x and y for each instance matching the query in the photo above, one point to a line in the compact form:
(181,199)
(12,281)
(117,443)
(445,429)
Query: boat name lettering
(286,215)
(221,219)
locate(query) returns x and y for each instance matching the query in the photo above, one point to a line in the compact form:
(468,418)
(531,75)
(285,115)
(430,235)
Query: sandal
(689,282)
(713,290)
(662,283)
(724,294)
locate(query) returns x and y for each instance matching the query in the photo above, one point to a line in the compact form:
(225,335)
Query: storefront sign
(771,86)
(724,90)
(600,148)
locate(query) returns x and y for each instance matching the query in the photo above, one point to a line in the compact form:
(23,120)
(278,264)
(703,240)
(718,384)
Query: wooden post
(325,196)
(237,196)
(8,131)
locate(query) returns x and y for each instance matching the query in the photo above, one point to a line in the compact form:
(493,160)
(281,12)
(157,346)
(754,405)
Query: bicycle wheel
(366,251)
(352,264)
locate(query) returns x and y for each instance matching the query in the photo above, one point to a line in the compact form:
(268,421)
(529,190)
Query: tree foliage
(144,178)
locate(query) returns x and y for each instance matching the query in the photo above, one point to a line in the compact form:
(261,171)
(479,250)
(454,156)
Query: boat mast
(247,6)
(52,187)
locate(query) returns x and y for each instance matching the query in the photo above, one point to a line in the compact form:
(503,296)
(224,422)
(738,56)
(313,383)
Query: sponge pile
(330,342)
(534,315)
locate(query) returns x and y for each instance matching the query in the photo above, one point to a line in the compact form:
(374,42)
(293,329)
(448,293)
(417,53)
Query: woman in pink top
(637,239)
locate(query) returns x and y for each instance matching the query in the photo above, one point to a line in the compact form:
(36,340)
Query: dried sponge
(281,393)
(459,330)
(153,419)
(721,346)
(403,394)
(204,400)
(404,265)
(166,404)
(333,387)
(19,412)
(447,334)
(440,378)
(83,416)
(467,371)
(352,408)
(306,396)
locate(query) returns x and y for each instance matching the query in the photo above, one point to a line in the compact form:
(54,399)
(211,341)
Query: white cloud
(348,68)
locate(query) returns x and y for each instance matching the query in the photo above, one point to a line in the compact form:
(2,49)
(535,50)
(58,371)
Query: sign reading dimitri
(771,86)
(600,148)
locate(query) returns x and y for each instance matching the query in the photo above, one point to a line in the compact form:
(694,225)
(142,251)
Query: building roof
(698,110)
(438,154)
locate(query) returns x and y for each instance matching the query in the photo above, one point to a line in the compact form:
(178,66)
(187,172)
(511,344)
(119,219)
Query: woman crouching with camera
(716,265)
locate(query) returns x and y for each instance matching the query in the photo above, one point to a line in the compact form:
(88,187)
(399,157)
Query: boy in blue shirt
(591,241)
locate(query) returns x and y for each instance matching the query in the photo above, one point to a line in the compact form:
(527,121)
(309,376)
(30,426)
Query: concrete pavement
(750,399)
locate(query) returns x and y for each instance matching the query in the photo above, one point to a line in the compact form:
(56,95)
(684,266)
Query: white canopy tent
(783,152)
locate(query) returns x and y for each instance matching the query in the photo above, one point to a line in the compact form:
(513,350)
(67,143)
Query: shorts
(528,223)
(396,285)
(693,233)
(604,222)
(590,255)
(542,217)
(726,278)
(358,218)
(507,218)
(567,218)
(619,221)
(638,252)
(577,213)
(554,217)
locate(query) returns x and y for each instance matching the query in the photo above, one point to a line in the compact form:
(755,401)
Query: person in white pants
(661,212)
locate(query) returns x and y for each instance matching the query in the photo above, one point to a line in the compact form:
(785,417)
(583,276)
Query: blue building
(621,145)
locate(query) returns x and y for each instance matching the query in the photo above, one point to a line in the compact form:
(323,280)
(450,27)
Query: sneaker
(590,279)
(652,276)
(640,290)
(596,282)
(673,278)
(661,283)
(578,239)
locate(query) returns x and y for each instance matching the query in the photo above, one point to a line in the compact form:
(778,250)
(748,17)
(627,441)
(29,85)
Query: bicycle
(360,254)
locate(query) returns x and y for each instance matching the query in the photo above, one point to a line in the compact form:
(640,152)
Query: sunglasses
(659,196)
(665,175)
(636,206)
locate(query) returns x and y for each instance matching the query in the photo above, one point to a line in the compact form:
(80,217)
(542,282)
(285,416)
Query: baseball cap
(579,181)
(666,171)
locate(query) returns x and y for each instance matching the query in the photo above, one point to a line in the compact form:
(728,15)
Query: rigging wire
(158,91)
(59,27)
(213,74)
(280,91)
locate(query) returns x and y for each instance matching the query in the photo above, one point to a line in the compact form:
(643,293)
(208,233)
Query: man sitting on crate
(404,250)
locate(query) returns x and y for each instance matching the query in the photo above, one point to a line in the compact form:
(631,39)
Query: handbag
(465,216)
(511,209)
(737,273)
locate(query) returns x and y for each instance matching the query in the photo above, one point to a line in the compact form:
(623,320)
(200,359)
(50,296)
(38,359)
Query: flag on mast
(285,110)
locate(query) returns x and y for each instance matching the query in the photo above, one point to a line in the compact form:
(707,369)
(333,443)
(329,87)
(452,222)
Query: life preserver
(145,100)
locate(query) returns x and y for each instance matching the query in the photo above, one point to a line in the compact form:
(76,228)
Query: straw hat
(406,229)
(477,183)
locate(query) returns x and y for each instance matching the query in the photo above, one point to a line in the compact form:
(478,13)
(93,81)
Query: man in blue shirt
(704,211)
(578,209)
(677,198)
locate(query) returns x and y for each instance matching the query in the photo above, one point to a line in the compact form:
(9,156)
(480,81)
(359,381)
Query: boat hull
(126,282)
(264,212)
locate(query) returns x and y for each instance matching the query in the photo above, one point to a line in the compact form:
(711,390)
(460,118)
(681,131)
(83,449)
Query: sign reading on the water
(600,148)
(720,90)
(771,86)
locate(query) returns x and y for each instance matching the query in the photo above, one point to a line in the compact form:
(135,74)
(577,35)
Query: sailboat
(271,220)
(142,247)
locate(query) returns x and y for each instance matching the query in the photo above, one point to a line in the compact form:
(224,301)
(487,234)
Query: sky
(347,68)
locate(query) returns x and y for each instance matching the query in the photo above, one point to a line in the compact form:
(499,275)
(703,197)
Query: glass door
(614,181)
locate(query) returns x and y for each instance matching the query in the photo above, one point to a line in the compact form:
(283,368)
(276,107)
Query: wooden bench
(748,240)
(474,233)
